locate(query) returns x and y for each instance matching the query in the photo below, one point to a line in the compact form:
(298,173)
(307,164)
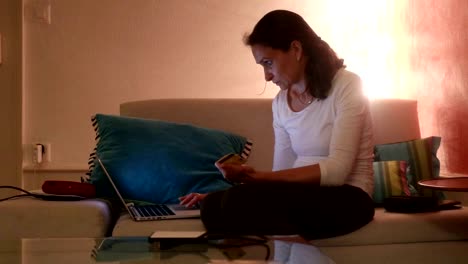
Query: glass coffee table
(125,250)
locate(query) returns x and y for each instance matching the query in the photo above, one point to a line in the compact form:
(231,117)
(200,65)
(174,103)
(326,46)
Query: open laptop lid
(179,210)
(113,186)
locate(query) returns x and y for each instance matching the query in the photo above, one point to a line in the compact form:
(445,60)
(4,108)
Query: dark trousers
(287,209)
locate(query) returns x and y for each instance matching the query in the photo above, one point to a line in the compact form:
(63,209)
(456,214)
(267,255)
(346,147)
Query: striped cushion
(421,156)
(390,180)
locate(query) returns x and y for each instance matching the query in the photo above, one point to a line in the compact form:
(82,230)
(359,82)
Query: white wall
(95,55)
(10,94)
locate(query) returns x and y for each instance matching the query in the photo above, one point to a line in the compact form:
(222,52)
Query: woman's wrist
(260,176)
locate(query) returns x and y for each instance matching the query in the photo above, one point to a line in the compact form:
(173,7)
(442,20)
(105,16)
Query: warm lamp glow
(367,35)
(409,50)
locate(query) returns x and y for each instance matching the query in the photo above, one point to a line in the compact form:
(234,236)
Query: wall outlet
(48,152)
(41,152)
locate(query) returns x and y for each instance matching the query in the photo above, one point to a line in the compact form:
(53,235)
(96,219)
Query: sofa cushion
(386,228)
(248,117)
(398,228)
(389,180)
(30,217)
(158,161)
(421,156)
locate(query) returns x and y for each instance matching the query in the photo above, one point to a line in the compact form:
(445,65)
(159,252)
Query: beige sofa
(438,237)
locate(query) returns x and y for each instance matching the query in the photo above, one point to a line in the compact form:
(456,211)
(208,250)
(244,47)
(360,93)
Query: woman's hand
(239,173)
(192,199)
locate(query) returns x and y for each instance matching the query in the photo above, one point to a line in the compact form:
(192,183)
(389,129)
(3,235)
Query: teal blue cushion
(157,161)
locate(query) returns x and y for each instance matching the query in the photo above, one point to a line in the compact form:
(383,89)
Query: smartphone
(231,158)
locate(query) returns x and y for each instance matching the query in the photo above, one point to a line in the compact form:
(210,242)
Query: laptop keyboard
(153,210)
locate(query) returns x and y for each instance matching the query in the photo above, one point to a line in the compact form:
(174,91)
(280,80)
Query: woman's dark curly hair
(279,28)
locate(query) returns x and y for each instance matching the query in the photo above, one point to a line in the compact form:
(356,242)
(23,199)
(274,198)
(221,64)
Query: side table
(454,184)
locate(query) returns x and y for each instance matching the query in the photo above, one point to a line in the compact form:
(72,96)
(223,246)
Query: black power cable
(48,197)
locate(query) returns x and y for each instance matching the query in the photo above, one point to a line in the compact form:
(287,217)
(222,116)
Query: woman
(322,179)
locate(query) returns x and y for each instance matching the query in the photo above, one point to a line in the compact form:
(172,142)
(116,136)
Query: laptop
(153,211)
